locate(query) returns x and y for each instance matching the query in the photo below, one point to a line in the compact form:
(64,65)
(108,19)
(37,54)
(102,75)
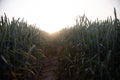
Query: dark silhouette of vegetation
(87,51)
(20,49)
(93,51)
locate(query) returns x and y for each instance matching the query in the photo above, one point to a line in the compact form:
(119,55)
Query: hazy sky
(52,15)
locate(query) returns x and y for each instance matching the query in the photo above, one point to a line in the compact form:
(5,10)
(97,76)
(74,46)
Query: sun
(53,15)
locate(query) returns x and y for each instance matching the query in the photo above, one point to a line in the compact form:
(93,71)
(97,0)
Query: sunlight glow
(53,15)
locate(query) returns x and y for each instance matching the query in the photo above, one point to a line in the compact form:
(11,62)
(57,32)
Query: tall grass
(20,49)
(92,51)
(87,51)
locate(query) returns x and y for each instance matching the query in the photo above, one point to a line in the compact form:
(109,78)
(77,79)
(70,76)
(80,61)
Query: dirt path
(49,68)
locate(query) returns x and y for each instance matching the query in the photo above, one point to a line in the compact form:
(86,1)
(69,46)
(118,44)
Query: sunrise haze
(53,15)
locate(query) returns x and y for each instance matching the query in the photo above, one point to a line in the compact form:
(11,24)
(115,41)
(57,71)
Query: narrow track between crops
(49,69)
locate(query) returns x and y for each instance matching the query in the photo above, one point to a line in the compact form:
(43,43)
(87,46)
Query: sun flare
(53,15)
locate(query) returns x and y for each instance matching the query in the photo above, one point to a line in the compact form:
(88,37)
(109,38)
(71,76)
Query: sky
(53,15)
